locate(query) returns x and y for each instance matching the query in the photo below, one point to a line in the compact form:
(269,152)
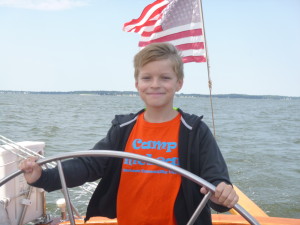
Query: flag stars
(181,12)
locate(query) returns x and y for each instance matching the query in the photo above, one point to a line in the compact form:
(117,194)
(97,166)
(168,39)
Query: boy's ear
(136,84)
(179,85)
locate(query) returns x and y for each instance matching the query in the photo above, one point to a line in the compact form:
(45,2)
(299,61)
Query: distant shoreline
(134,93)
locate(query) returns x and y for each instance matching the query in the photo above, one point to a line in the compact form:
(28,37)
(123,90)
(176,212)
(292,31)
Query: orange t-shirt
(147,193)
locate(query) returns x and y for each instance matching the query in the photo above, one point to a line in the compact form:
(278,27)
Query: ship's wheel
(118,154)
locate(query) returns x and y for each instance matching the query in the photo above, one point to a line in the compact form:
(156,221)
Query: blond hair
(156,52)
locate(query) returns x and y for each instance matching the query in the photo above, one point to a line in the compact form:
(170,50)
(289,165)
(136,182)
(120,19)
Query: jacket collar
(188,120)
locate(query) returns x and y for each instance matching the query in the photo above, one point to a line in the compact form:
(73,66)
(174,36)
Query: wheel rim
(119,154)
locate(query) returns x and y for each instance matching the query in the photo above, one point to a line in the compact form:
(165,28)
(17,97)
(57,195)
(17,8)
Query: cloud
(47,5)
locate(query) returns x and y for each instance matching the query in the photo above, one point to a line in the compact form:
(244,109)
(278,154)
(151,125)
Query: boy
(141,193)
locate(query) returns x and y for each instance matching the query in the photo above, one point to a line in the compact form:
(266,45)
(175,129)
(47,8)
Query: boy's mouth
(155,93)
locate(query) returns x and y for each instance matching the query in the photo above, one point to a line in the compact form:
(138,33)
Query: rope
(211,104)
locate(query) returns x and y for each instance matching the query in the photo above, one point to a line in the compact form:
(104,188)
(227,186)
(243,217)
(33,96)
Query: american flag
(176,21)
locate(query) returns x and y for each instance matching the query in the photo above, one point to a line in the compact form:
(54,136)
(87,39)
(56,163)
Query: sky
(70,45)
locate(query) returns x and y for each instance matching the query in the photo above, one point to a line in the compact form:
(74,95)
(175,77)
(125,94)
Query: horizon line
(135,92)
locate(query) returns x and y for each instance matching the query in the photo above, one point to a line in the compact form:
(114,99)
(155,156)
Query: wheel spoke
(65,192)
(199,208)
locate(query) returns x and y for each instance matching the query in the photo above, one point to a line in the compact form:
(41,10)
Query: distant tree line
(134,93)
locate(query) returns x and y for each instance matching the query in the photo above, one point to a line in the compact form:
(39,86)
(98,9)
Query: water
(259,138)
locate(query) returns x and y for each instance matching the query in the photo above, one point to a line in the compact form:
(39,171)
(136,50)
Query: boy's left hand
(224,195)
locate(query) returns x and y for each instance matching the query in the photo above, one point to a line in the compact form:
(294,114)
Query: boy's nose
(155,83)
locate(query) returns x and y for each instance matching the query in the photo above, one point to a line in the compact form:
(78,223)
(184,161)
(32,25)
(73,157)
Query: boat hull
(218,219)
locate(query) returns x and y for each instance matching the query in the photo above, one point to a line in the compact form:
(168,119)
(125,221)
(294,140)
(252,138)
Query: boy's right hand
(32,171)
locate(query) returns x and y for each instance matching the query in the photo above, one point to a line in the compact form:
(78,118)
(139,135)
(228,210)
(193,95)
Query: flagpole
(208,67)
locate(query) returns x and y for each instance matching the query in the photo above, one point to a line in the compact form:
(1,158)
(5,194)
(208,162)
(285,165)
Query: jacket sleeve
(212,166)
(77,171)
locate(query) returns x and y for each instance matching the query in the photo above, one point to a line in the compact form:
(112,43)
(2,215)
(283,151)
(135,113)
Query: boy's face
(157,84)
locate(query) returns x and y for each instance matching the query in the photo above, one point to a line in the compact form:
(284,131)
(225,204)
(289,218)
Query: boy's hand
(224,195)
(32,171)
